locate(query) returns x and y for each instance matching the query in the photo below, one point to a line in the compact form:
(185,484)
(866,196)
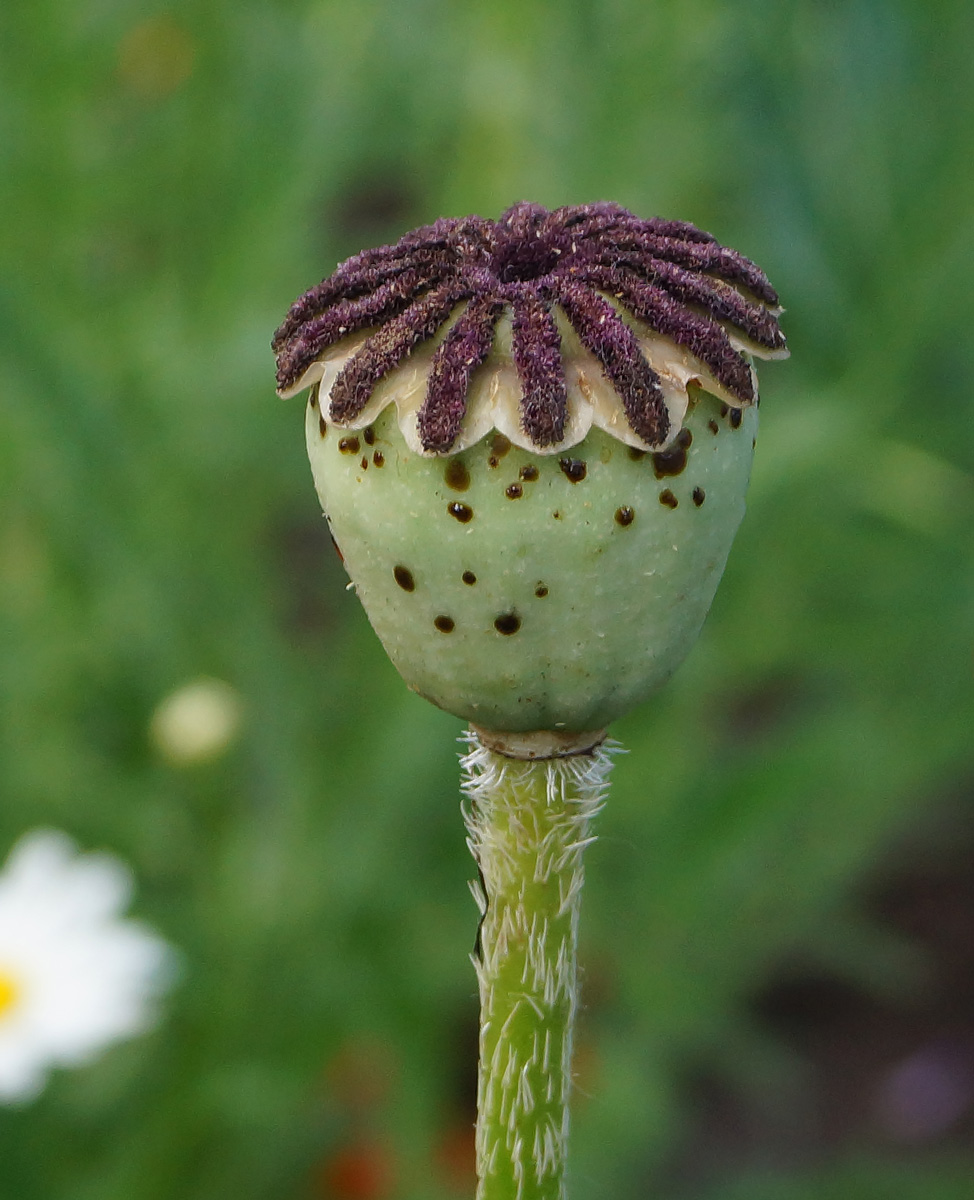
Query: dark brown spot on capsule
(365,462)
(507,623)
(444,624)
(625,515)
(322,426)
(670,462)
(313,398)
(574,469)
(349,445)
(493,462)
(378,458)
(469,578)
(557,515)
(736,416)
(514,492)
(456,475)
(724,410)
(699,495)
(404,577)
(667,498)
(500,445)
(462,512)
(541,591)
(368,433)
(529,473)
(636,454)
(713,427)
(684,439)
(338,549)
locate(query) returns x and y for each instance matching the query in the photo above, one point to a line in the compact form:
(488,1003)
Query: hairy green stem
(528,824)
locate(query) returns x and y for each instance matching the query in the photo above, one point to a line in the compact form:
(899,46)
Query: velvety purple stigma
(537,356)
(463,350)
(596,263)
(601,330)
(386,349)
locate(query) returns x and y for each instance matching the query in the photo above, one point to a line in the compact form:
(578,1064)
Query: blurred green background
(778,931)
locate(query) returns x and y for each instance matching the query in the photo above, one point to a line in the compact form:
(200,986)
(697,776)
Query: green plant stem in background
(528,825)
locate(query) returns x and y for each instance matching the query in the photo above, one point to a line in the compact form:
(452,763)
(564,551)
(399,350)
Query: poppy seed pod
(532,441)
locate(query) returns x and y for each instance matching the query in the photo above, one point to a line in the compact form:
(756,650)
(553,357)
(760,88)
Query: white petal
(84,975)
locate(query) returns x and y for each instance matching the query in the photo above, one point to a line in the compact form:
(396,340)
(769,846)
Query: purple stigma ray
(592,260)
(704,338)
(679,231)
(388,347)
(698,256)
(602,331)
(537,356)
(349,316)
(463,350)
(722,301)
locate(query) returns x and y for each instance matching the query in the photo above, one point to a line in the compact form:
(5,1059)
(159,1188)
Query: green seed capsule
(575,614)
(556,451)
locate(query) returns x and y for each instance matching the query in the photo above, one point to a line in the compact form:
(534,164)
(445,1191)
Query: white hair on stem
(528,824)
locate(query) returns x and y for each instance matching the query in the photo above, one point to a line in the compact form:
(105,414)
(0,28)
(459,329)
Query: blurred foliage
(170,178)
(858,1181)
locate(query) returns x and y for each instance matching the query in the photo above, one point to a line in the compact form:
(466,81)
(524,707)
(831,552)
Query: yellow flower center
(9,992)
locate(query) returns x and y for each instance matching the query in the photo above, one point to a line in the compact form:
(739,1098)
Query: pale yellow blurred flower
(197,722)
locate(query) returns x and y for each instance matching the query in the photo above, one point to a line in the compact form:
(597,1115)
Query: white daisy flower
(75,975)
